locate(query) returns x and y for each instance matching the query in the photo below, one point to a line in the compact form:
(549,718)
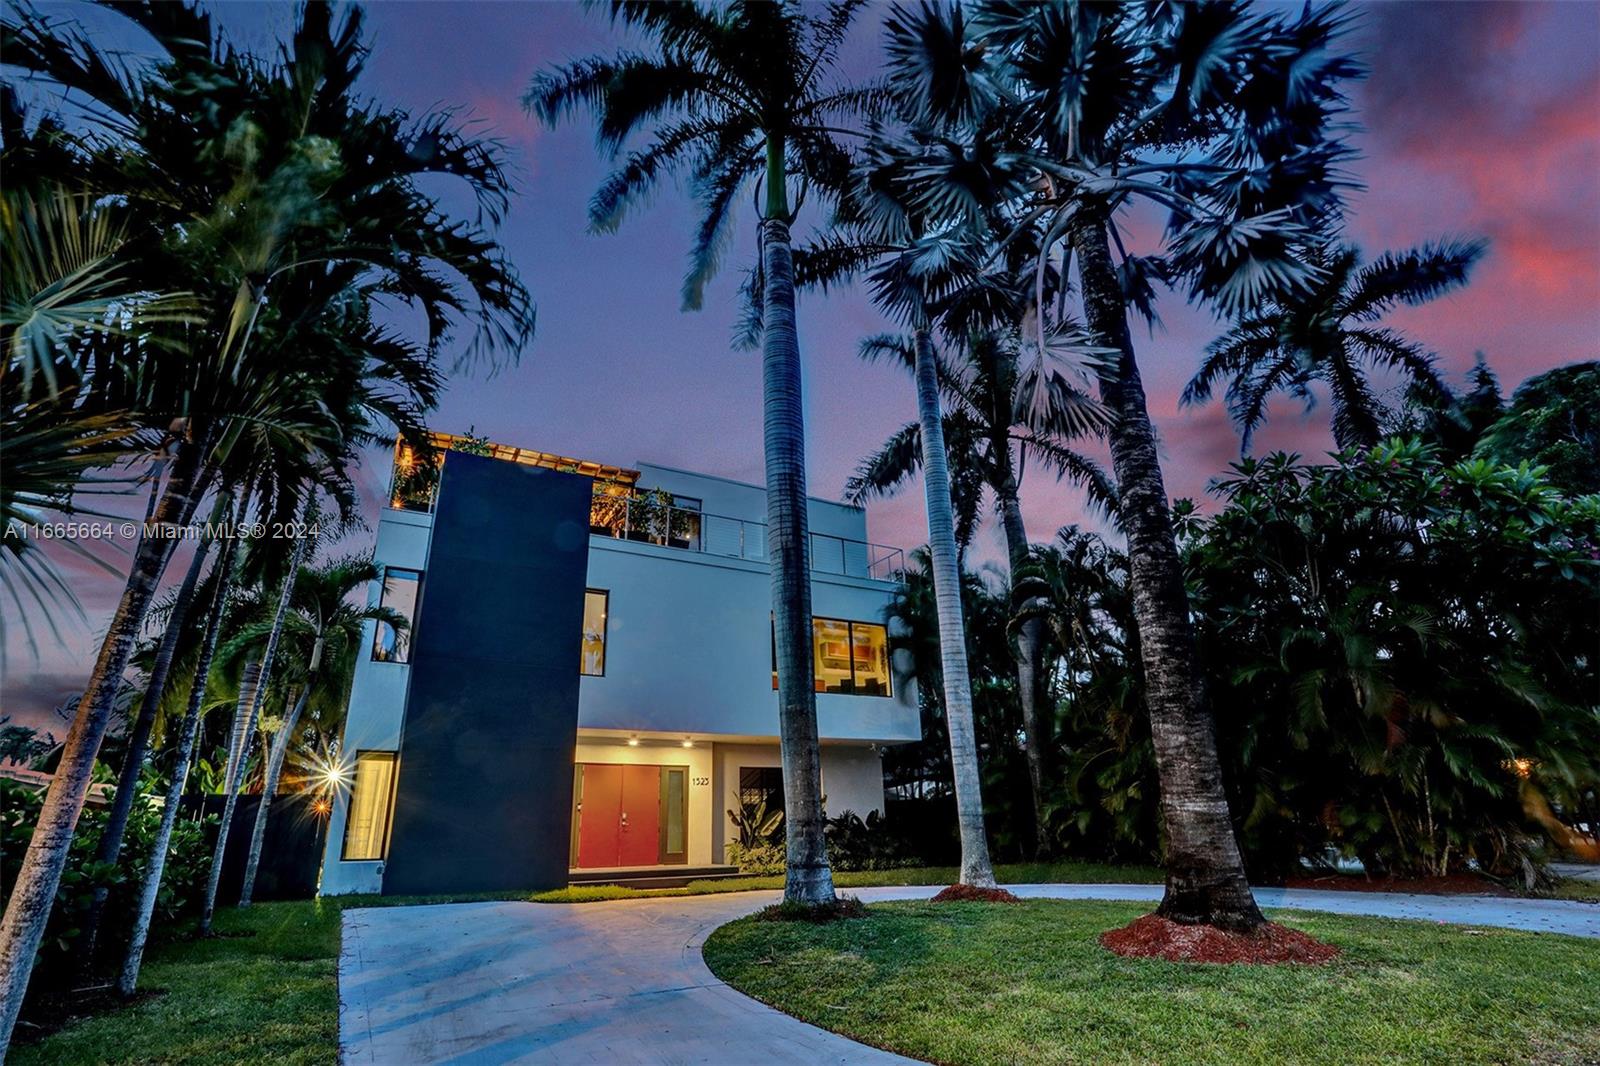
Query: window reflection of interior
(366,829)
(847,657)
(391,645)
(595,602)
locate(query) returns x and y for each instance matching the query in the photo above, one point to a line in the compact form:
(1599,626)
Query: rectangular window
(366,827)
(674,814)
(595,604)
(400,587)
(761,785)
(846,657)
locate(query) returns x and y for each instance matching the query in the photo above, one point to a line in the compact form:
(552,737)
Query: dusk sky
(1479,120)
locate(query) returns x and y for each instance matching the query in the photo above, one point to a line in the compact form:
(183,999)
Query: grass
(1573,888)
(265,989)
(1026,873)
(267,997)
(1029,983)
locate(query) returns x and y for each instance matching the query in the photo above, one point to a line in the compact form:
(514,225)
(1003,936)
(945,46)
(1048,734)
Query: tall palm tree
(328,193)
(324,630)
(1223,117)
(1330,333)
(222,577)
(247,717)
(733,96)
(994,426)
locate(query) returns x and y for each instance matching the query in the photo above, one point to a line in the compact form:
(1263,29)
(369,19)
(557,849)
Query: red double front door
(619,816)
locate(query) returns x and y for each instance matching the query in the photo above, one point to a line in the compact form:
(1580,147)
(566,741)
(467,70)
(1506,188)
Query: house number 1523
(702,780)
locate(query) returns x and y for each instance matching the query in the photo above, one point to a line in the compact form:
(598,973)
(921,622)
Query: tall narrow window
(595,605)
(366,829)
(674,814)
(390,643)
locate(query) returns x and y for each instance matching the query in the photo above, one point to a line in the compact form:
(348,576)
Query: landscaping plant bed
(1155,937)
(974,894)
(1449,885)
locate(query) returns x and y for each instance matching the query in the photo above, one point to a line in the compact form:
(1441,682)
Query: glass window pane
(869,657)
(674,813)
(366,829)
(400,587)
(831,647)
(595,604)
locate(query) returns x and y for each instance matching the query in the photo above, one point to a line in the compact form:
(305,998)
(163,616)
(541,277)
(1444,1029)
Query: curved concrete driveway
(623,982)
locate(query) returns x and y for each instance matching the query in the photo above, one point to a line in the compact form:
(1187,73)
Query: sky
(1478,120)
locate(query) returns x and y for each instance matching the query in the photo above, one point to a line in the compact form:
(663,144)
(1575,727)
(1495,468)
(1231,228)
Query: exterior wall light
(688,743)
(633,742)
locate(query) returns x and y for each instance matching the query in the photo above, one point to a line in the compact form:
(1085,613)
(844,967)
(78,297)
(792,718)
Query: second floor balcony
(623,510)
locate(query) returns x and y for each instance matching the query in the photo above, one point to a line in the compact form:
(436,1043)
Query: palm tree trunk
(808,878)
(128,978)
(245,731)
(1038,728)
(269,787)
(133,761)
(28,909)
(238,754)
(946,571)
(1205,873)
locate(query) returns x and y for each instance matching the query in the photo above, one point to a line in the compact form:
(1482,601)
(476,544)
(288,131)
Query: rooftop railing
(652,516)
(648,517)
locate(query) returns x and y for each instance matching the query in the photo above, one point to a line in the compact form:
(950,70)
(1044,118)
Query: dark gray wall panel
(485,787)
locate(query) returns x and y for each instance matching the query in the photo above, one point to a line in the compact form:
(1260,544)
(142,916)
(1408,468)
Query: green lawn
(1028,983)
(264,990)
(1024,873)
(270,997)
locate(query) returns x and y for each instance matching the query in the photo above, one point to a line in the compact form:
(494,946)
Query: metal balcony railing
(653,516)
(646,519)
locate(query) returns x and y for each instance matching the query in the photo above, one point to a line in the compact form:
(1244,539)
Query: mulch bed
(1452,885)
(1155,937)
(841,909)
(973,894)
(47,1015)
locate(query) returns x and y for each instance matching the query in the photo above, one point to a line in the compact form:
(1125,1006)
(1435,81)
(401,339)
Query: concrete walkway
(623,982)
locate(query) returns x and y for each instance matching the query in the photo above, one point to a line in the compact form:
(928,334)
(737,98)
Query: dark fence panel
(291,852)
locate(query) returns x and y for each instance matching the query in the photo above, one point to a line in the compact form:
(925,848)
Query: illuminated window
(400,586)
(366,828)
(595,602)
(847,657)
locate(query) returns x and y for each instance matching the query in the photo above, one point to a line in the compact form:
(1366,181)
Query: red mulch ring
(1155,937)
(1451,885)
(973,894)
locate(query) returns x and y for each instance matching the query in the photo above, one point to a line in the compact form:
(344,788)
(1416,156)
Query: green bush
(183,884)
(765,857)
(1400,657)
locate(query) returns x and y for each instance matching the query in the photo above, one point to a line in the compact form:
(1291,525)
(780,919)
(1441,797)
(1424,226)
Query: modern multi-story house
(587,682)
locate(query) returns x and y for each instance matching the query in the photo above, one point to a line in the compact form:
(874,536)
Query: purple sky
(1480,119)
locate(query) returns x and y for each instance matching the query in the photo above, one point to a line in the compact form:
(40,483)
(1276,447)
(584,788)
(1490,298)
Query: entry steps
(650,876)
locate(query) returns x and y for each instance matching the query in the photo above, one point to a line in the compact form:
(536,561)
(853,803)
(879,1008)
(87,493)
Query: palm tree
(738,95)
(222,576)
(327,195)
(252,694)
(1329,333)
(1000,416)
(1222,117)
(324,629)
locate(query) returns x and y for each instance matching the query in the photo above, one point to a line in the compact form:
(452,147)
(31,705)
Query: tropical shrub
(855,843)
(761,858)
(1401,658)
(181,888)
